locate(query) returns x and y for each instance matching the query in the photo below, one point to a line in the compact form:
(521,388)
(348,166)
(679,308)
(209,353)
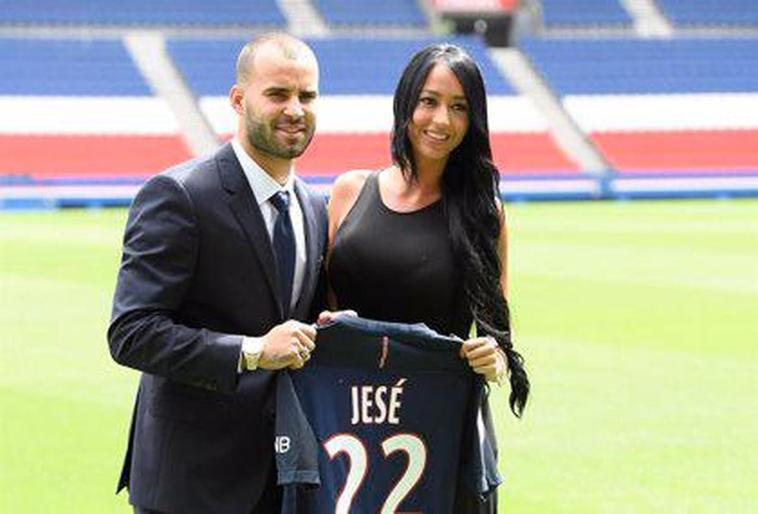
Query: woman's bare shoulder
(344,194)
(350,183)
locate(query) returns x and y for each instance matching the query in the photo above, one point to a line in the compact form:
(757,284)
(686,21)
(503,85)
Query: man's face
(278,104)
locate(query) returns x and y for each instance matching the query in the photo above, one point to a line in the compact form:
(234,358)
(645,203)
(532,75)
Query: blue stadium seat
(617,66)
(371,12)
(66,67)
(563,13)
(711,12)
(142,12)
(348,65)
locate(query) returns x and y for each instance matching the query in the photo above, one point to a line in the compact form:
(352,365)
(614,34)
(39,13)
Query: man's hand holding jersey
(288,345)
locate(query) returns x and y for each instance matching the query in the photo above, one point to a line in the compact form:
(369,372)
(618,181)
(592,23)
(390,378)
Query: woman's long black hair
(470,196)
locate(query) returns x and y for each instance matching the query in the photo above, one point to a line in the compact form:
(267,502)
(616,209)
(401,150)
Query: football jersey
(382,419)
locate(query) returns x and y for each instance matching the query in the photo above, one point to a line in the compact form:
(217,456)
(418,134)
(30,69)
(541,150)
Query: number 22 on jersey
(355,450)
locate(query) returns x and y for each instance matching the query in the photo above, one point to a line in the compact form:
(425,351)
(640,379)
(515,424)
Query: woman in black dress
(425,239)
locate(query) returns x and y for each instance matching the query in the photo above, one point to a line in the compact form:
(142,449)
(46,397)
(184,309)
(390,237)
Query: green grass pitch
(638,320)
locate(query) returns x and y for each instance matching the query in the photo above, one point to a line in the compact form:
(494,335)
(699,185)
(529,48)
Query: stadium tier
(659,106)
(735,13)
(142,12)
(576,13)
(473,6)
(371,12)
(358,78)
(73,108)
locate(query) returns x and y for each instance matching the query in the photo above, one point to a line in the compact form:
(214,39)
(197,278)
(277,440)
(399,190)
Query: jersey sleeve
(479,463)
(295,443)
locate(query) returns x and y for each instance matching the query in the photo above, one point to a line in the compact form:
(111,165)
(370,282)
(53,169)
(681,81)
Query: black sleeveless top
(394,266)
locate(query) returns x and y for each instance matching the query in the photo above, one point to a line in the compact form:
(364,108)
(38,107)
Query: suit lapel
(312,255)
(248,214)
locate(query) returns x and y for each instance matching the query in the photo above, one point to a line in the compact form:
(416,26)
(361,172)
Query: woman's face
(440,119)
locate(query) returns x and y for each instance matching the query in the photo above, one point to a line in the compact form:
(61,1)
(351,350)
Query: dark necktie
(284,248)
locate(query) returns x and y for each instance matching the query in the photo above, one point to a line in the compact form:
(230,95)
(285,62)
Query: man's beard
(261,136)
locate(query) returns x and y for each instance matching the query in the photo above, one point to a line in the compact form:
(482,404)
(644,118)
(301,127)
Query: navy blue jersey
(382,419)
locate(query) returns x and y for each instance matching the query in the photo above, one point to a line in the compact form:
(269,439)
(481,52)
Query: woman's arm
(502,249)
(484,355)
(344,193)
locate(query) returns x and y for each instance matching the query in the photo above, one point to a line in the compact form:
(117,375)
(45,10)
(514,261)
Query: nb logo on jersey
(282,444)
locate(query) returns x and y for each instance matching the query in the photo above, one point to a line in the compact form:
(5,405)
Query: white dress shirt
(264,187)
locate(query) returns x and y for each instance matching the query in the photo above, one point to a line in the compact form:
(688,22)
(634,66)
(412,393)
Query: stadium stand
(75,109)
(358,78)
(371,12)
(573,13)
(142,12)
(735,13)
(474,6)
(659,106)
(78,109)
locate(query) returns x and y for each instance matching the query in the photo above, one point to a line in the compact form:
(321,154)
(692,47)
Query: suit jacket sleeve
(157,268)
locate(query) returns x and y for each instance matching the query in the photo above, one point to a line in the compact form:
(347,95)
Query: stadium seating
(736,13)
(80,108)
(358,78)
(473,6)
(77,110)
(575,13)
(371,12)
(659,106)
(616,66)
(142,12)
(348,65)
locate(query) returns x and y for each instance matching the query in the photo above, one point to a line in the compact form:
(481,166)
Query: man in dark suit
(221,256)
